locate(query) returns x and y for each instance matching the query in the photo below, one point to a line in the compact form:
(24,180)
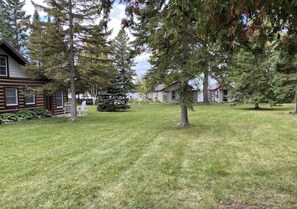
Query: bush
(42,113)
(24,114)
(8,117)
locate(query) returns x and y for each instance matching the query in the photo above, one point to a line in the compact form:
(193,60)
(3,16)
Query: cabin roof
(11,51)
(213,86)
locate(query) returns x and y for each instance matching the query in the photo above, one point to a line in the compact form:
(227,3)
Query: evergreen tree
(286,79)
(114,98)
(253,75)
(169,30)
(5,31)
(14,23)
(95,68)
(48,54)
(123,60)
(68,36)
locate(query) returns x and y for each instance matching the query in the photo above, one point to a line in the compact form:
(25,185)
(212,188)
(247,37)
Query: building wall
(21,86)
(15,69)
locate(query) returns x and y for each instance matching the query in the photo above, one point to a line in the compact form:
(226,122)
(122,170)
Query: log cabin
(16,88)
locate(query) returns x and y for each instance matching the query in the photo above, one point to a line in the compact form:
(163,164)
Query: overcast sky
(117,13)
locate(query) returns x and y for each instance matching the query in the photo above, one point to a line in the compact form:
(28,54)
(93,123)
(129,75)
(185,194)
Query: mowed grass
(231,158)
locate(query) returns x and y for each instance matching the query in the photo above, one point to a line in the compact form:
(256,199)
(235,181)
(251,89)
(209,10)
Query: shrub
(42,113)
(24,114)
(8,117)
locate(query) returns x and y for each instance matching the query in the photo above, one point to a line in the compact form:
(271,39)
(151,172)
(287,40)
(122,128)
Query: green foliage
(63,40)
(95,68)
(169,30)
(113,99)
(286,77)
(8,117)
(253,76)
(24,114)
(42,113)
(14,23)
(123,60)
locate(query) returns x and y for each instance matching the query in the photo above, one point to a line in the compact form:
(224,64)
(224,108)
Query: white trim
(16,97)
(61,98)
(6,60)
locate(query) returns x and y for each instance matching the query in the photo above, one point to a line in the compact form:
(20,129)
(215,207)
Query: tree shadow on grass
(264,109)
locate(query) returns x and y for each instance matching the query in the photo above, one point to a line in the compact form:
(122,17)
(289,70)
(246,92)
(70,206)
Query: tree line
(250,43)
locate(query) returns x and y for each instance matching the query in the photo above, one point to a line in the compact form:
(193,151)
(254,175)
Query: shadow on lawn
(265,109)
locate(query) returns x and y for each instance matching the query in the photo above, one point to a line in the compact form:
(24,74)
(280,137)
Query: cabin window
(173,95)
(30,97)
(59,99)
(3,66)
(11,96)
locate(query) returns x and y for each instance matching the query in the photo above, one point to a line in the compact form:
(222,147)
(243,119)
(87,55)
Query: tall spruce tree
(75,21)
(123,60)
(115,97)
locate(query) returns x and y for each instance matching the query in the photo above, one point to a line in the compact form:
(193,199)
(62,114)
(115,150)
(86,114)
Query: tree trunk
(72,67)
(295,105)
(184,121)
(205,86)
(257,106)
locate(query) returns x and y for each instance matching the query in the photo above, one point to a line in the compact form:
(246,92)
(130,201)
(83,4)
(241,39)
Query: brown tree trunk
(257,106)
(184,120)
(72,67)
(295,105)
(205,86)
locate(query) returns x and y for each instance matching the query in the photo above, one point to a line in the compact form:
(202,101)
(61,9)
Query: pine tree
(123,60)
(286,79)
(15,23)
(5,31)
(95,68)
(71,31)
(169,30)
(253,75)
(114,98)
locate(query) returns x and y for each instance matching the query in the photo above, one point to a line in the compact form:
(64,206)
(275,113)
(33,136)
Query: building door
(48,103)
(225,95)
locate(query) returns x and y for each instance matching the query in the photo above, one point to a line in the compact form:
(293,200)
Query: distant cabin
(168,94)
(217,93)
(17,89)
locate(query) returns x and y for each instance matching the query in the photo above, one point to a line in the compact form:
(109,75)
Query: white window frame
(30,103)
(62,99)
(16,97)
(6,66)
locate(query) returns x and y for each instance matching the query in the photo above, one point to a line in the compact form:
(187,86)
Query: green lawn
(231,158)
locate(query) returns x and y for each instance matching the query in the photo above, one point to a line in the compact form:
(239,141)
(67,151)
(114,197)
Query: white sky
(116,15)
